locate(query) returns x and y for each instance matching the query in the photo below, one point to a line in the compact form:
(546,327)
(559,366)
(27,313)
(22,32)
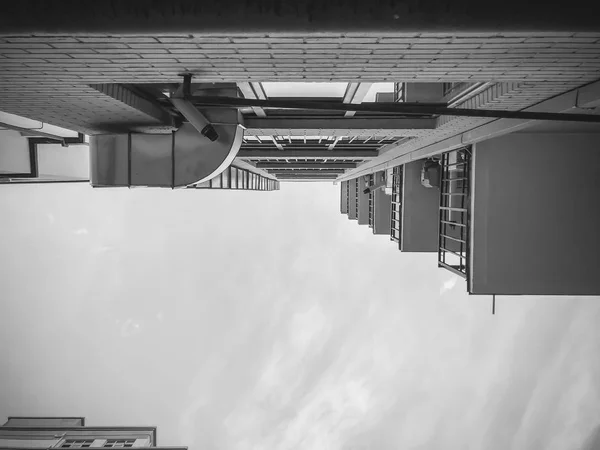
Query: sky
(267,320)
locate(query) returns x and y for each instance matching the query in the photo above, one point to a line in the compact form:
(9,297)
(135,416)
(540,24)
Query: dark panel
(135,16)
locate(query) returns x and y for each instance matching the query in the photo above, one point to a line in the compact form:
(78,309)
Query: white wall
(14,152)
(55,161)
(363,203)
(28,443)
(344,197)
(420,207)
(382,219)
(353,211)
(536,215)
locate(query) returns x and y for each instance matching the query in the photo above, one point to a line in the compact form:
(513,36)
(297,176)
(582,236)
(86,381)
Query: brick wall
(48,77)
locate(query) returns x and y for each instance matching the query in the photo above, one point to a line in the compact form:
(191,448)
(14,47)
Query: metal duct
(179,159)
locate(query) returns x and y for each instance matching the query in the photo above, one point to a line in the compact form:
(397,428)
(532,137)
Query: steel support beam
(332,145)
(294,165)
(254,91)
(290,172)
(399,109)
(337,126)
(251,167)
(577,100)
(305,180)
(307,154)
(277,144)
(355,94)
(306,177)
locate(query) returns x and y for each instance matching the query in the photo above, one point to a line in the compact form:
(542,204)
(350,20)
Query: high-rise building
(482,127)
(72,432)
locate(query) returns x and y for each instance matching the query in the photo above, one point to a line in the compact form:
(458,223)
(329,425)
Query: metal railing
(357,186)
(399,92)
(396,225)
(454,213)
(371,202)
(240,179)
(347,196)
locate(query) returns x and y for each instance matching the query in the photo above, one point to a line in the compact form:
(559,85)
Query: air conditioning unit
(431,173)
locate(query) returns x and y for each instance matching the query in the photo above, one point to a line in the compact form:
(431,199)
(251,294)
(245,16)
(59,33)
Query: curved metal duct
(179,159)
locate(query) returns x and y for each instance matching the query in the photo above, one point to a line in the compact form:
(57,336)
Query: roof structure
(99,82)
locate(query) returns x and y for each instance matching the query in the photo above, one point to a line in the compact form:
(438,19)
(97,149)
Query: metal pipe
(196,118)
(411,109)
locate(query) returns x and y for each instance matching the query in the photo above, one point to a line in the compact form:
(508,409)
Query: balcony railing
(399,92)
(348,196)
(454,214)
(357,186)
(396,225)
(241,179)
(371,202)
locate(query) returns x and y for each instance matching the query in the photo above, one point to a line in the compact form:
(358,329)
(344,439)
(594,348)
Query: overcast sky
(269,321)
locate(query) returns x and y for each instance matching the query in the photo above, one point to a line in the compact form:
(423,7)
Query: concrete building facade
(72,432)
(401,83)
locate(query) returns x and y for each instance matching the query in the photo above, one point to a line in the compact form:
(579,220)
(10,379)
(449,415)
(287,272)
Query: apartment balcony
(396,205)
(353,199)
(371,179)
(414,210)
(379,208)
(362,202)
(344,199)
(454,212)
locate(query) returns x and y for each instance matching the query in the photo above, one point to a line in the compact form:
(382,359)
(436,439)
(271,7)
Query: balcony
(454,212)
(371,203)
(396,213)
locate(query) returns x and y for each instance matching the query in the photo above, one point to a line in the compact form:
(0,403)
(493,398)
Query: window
(119,443)
(77,443)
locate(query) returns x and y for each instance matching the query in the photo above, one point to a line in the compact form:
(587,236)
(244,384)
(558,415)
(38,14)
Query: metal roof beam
(304,180)
(355,94)
(307,177)
(303,165)
(337,126)
(277,144)
(252,92)
(308,154)
(251,167)
(332,145)
(290,172)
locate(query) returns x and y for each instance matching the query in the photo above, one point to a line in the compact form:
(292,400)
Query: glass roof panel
(299,89)
(378,88)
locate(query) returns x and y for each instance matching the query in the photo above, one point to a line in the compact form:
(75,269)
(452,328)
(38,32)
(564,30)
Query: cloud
(81,231)
(130,327)
(448,284)
(102,248)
